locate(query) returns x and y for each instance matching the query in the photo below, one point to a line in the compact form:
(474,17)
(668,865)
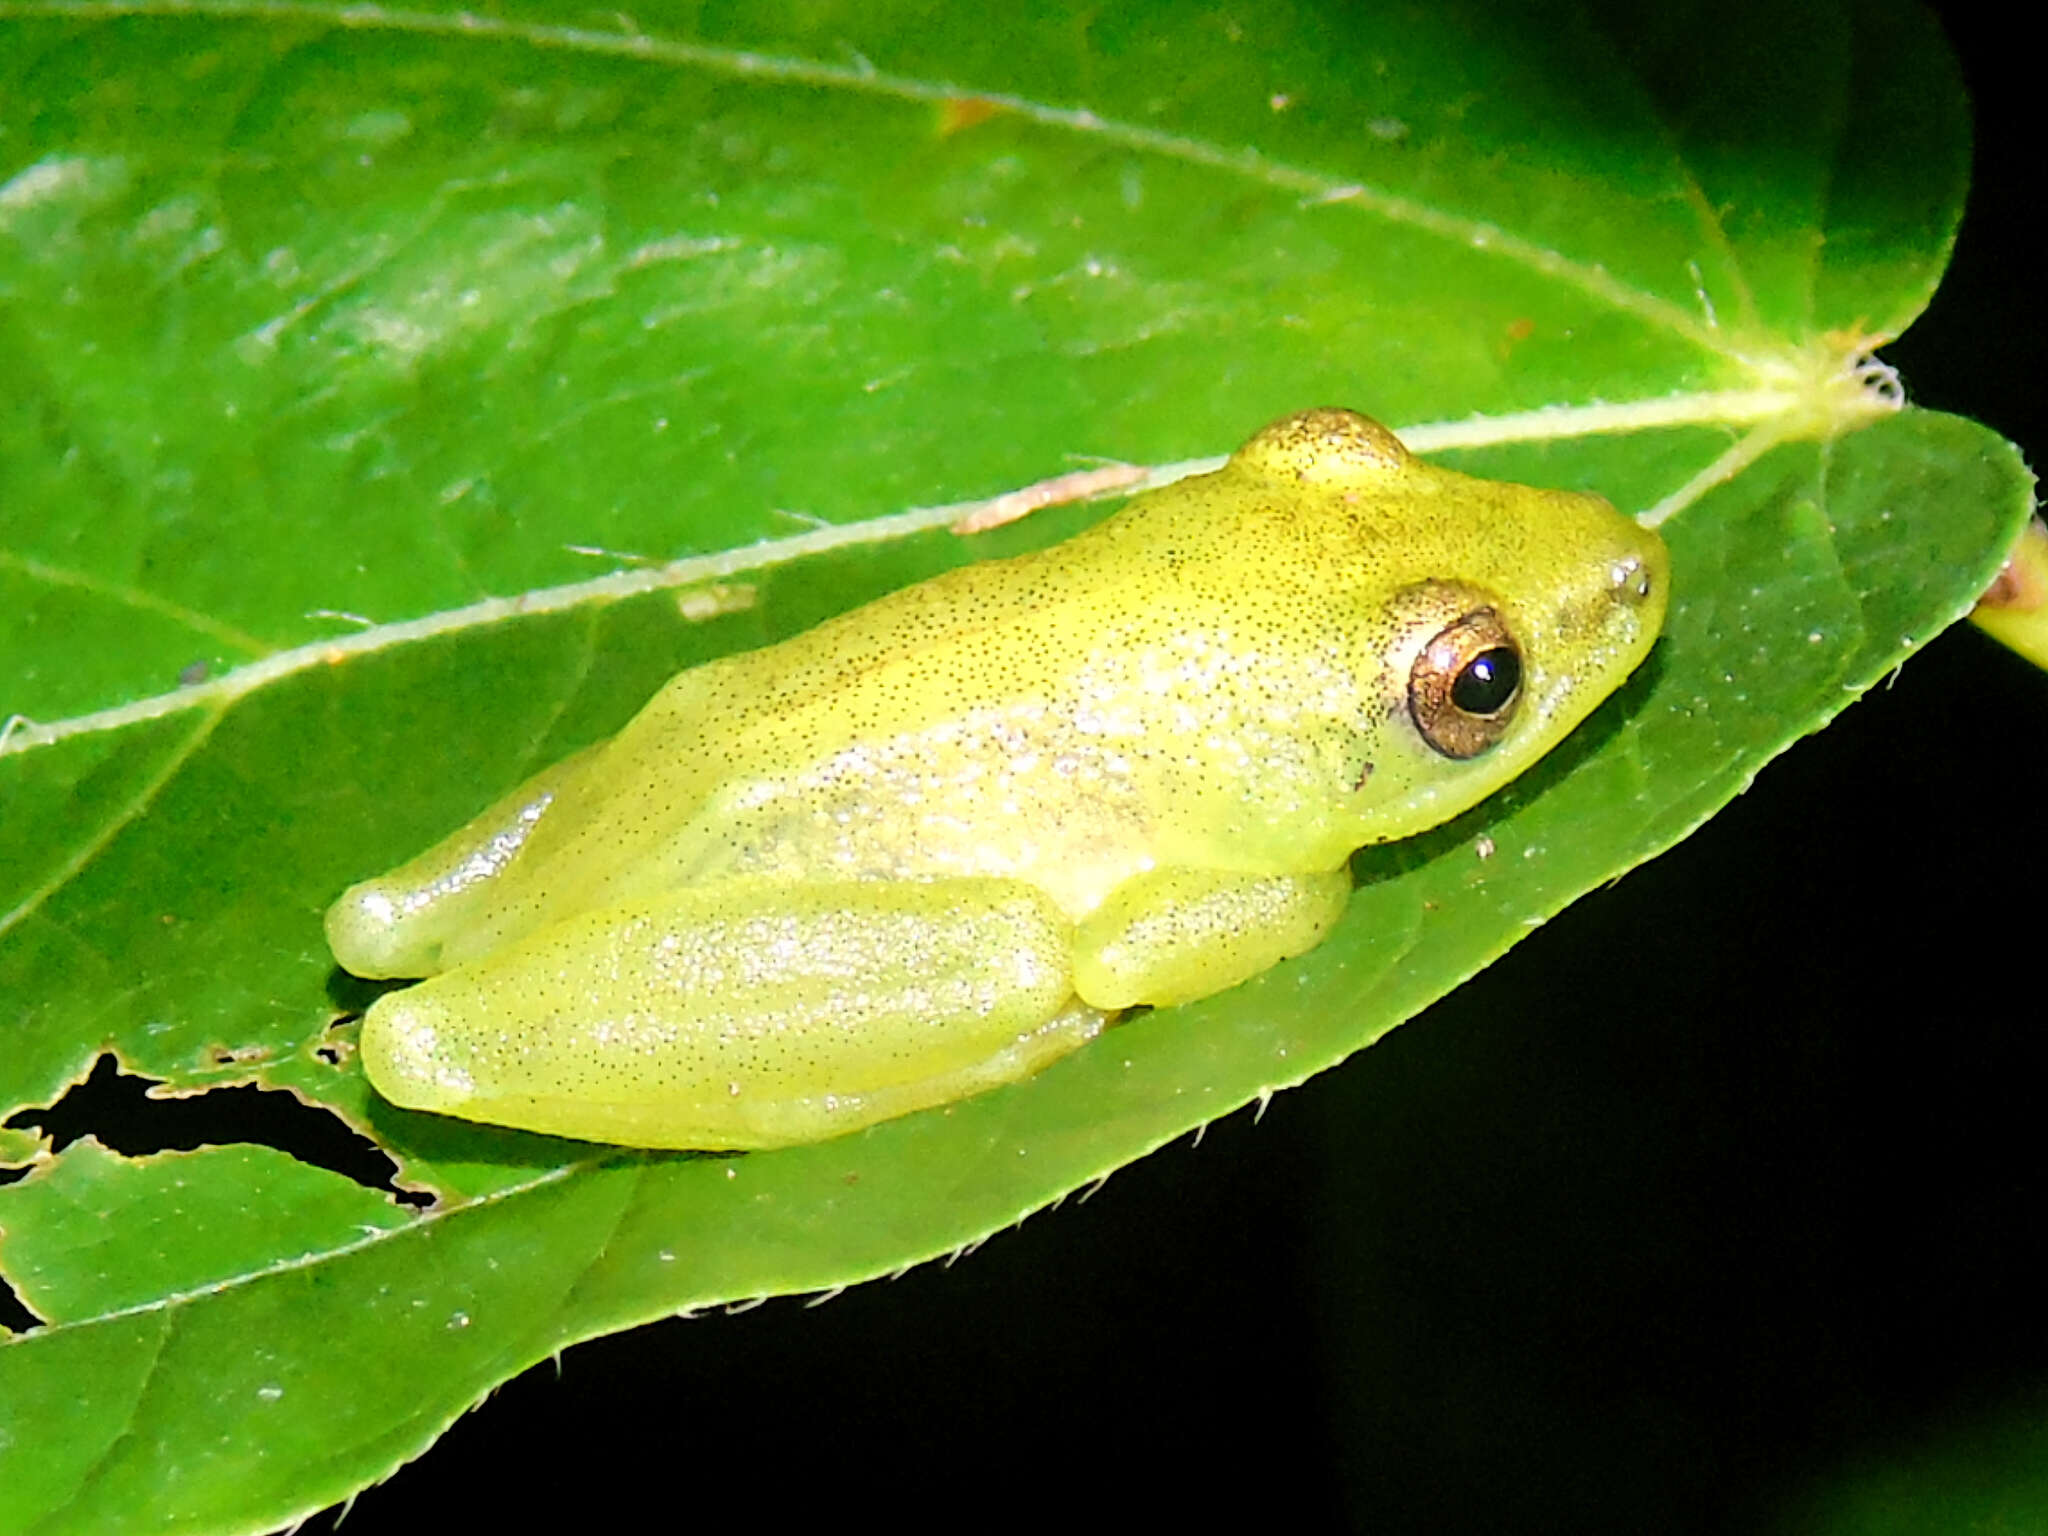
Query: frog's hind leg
(743,1014)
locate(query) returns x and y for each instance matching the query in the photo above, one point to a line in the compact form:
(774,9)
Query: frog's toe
(369,934)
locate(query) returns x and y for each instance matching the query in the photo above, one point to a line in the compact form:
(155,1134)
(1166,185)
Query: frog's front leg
(742,1014)
(1172,935)
(443,906)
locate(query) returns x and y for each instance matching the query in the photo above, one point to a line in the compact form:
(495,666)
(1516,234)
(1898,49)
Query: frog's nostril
(1632,579)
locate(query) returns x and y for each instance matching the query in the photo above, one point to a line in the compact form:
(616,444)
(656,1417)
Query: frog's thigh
(741,1015)
(1172,935)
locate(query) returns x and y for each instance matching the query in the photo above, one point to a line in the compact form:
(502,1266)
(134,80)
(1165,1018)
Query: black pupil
(1488,681)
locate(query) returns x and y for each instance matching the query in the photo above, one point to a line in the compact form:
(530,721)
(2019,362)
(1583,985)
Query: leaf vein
(131,597)
(112,826)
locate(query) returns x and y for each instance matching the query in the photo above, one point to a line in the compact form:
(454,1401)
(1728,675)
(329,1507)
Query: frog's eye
(1464,686)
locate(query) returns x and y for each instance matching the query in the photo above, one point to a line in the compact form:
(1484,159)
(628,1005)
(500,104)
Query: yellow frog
(937,842)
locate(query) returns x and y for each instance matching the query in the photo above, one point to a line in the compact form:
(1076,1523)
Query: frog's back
(1002,629)
(1009,718)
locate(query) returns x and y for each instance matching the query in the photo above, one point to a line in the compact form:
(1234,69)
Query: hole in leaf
(115,1107)
(14,1317)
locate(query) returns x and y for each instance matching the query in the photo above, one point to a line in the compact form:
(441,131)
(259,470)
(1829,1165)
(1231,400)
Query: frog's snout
(1639,580)
(1617,610)
(1633,580)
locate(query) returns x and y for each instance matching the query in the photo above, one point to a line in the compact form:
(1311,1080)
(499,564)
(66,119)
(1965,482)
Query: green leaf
(1981,1475)
(340,337)
(183,1224)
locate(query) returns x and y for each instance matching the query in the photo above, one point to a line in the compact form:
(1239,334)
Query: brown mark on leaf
(1078,486)
(964,112)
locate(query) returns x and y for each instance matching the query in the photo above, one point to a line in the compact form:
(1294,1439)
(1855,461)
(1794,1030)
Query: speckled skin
(931,844)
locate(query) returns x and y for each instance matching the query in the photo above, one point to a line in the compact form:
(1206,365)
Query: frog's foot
(745,1014)
(1172,935)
